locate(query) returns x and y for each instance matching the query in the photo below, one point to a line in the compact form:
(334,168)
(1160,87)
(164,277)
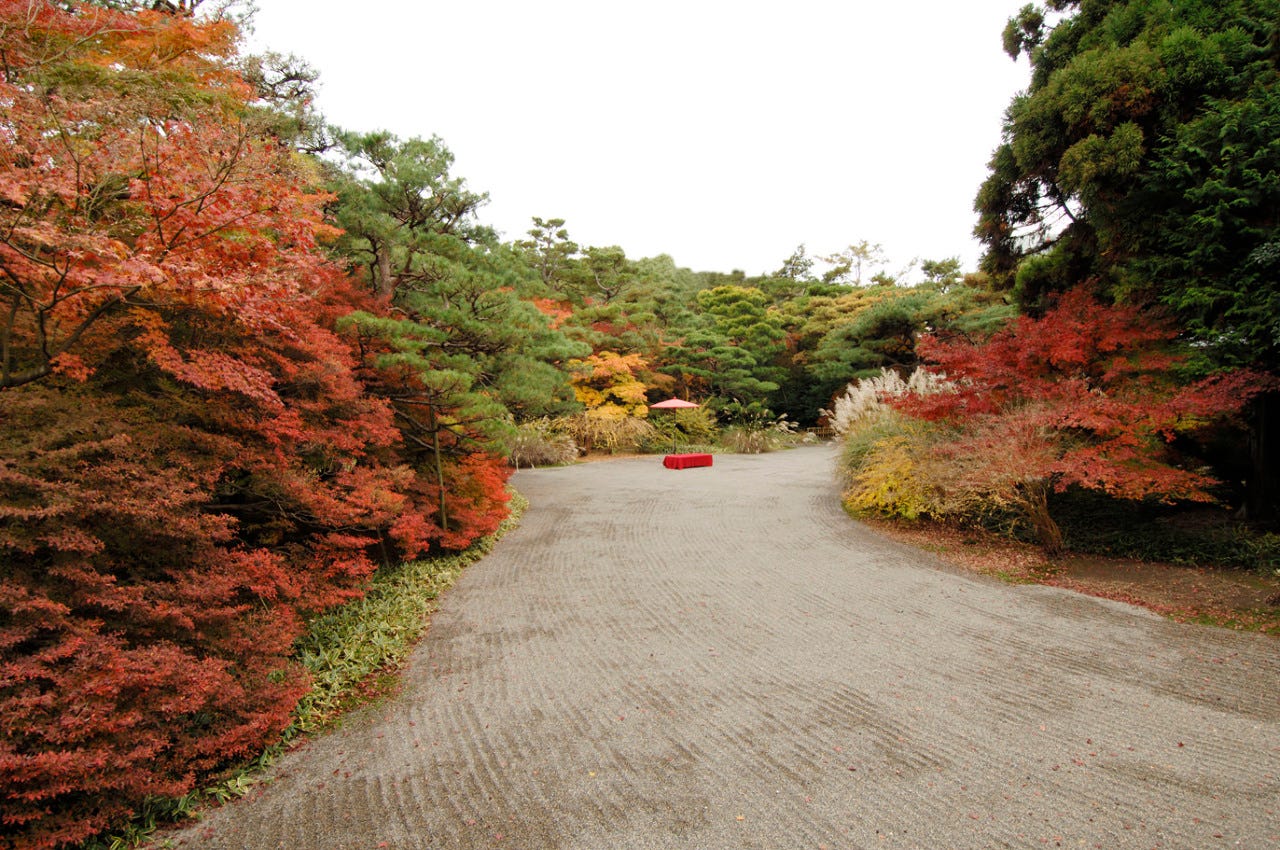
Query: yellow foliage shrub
(892,478)
(608,380)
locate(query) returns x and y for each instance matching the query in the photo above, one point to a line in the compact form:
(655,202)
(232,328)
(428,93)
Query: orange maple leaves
(190,461)
(132,178)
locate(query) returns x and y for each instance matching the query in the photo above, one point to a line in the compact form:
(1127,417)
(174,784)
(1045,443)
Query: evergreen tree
(1145,155)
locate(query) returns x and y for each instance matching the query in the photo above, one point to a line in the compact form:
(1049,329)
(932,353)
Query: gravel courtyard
(720,658)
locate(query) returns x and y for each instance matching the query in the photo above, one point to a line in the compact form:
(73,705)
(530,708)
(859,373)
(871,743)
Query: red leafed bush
(138,645)
(189,462)
(477,499)
(1086,396)
(161,544)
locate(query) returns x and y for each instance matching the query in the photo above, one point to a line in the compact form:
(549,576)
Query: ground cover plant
(541,443)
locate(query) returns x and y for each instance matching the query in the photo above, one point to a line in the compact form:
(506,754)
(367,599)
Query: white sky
(721,133)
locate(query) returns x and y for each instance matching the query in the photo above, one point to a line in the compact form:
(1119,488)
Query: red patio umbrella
(672,404)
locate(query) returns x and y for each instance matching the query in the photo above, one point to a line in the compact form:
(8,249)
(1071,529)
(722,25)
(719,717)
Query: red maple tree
(1088,396)
(190,463)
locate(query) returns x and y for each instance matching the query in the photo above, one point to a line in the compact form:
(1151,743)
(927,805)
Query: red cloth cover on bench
(685,461)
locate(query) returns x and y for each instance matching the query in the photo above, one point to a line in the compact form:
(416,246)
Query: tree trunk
(435,444)
(386,282)
(1035,496)
(1263,484)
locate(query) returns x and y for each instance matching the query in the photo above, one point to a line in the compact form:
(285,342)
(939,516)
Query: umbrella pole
(671,404)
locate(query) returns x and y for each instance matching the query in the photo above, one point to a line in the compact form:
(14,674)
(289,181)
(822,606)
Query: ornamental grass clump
(540,443)
(887,455)
(607,430)
(756,436)
(869,398)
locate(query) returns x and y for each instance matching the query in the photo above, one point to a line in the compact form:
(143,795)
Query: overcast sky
(722,133)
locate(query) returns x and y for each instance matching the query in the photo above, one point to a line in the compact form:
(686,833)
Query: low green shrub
(1195,536)
(660,445)
(695,426)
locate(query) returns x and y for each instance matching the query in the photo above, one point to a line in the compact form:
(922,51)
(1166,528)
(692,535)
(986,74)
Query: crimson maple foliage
(190,463)
(1085,396)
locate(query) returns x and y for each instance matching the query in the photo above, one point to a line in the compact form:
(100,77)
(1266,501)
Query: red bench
(686,461)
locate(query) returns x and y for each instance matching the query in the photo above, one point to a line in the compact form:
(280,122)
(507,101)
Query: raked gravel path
(720,658)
